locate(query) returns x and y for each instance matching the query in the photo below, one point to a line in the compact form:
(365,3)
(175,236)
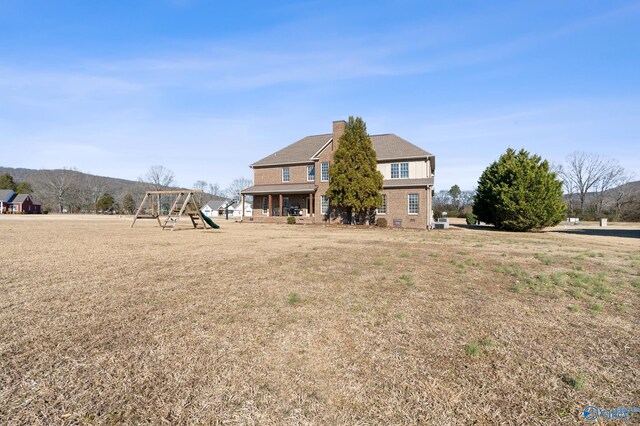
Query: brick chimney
(338,129)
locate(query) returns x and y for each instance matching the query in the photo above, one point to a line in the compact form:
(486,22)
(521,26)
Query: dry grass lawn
(278,324)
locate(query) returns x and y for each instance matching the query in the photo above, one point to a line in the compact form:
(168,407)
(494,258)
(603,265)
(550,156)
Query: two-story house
(294,181)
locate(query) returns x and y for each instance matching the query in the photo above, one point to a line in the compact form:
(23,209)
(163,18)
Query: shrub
(291,220)
(519,192)
(381,222)
(471,219)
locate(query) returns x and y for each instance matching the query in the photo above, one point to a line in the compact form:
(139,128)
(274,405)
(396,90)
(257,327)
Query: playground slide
(209,221)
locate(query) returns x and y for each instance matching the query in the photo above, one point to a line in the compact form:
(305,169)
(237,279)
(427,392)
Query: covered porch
(276,203)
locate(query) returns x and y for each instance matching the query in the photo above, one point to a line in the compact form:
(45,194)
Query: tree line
(68,190)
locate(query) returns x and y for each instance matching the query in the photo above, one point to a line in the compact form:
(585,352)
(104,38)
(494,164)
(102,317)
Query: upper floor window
(413,202)
(285,174)
(311,173)
(404,170)
(399,170)
(324,176)
(383,206)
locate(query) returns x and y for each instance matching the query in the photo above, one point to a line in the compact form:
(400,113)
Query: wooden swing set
(185,203)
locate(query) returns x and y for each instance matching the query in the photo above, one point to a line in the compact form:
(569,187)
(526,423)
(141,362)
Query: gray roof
(283,188)
(296,153)
(219,204)
(5,194)
(215,204)
(407,183)
(20,198)
(393,147)
(388,147)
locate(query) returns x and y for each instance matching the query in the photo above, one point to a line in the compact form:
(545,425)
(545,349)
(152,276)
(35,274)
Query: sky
(206,88)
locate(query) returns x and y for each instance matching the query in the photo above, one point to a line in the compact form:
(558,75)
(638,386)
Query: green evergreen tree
(128,204)
(24,188)
(519,193)
(355,182)
(106,202)
(7,182)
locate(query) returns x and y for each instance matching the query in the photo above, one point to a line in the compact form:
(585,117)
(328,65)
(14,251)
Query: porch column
(270,205)
(311,204)
(281,212)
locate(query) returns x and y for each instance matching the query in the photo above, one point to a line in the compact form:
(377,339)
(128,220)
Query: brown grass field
(279,324)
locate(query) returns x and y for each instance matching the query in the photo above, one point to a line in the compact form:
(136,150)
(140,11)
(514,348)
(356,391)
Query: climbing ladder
(185,203)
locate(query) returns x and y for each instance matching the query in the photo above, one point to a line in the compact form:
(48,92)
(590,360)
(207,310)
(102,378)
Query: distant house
(5,196)
(212,208)
(218,208)
(10,202)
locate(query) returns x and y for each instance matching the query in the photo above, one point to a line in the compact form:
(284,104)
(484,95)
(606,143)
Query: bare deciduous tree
(158,177)
(59,183)
(214,189)
(612,176)
(583,172)
(234,189)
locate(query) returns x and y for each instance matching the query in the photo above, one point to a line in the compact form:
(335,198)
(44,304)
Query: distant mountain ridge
(83,187)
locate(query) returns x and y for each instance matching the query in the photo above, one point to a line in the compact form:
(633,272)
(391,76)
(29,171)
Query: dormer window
(285,174)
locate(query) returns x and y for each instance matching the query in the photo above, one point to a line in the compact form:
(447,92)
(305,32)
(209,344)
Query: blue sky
(205,88)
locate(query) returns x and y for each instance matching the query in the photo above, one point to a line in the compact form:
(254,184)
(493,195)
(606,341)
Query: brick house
(10,202)
(294,181)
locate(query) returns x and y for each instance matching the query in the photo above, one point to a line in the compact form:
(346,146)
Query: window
(285,174)
(285,204)
(395,174)
(265,205)
(324,176)
(404,170)
(383,207)
(324,204)
(399,170)
(413,203)
(311,173)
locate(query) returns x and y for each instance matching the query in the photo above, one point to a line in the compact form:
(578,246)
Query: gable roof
(215,204)
(20,198)
(6,194)
(219,204)
(297,153)
(393,147)
(387,147)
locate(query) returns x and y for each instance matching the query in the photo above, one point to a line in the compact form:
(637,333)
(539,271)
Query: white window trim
(409,205)
(321,175)
(391,170)
(288,173)
(314,173)
(322,199)
(400,170)
(386,207)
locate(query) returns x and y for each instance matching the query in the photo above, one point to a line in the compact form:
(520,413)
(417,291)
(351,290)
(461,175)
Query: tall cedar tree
(519,193)
(7,182)
(355,182)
